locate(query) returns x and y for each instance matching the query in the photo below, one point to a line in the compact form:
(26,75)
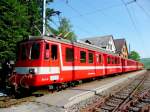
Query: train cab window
(69,54)
(90,57)
(82,56)
(108,60)
(54,52)
(47,52)
(35,51)
(23,53)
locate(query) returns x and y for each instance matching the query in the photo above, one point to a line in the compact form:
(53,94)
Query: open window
(54,52)
(47,51)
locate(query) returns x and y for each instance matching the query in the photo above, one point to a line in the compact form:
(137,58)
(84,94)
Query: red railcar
(140,65)
(47,60)
(131,65)
(113,64)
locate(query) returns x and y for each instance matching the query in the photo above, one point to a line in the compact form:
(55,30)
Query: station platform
(60,101)
(74,95)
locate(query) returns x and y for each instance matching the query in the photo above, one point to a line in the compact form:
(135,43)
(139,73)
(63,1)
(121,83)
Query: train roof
(77,43)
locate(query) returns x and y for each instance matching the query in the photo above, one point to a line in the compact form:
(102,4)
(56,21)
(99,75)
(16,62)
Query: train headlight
(32,71)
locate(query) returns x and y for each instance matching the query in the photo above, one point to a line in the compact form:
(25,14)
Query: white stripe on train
(56,70)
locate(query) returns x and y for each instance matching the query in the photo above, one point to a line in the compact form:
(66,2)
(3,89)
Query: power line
(55,24)
(146,13)
(85,31)
(81,16)
(133,23)
(82,29)
(97,10)
(135,1)
(103,9)
(60,17)
(130,16)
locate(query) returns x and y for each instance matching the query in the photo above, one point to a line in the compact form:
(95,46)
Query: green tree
(34,9)
(134,55)
(13,27)
(18,19)
(65,30)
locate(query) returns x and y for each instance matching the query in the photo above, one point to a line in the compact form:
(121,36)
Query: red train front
(37,63)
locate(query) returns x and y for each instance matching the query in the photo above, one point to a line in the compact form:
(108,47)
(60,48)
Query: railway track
(135,97)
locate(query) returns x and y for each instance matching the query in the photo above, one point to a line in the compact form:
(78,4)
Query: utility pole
(44,16)
(129,48)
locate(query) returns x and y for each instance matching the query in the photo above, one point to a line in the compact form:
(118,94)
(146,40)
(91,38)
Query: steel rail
(120,106)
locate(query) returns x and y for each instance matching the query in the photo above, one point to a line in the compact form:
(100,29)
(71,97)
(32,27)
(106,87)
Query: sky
(120,18)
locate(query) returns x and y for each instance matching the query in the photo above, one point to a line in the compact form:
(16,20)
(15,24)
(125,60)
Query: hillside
(146,62)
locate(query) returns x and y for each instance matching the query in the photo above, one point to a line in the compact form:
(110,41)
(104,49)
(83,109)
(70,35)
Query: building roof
(119,44)
(101,41)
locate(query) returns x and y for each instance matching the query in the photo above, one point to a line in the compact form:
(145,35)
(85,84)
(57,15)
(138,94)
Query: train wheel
(64,86)
(73,84)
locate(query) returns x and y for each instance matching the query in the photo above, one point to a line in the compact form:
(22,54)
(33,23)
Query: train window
(100,59)
(69,54)
(54,52)
(47,53)
(116,60)
(35,51)
(82,56)
(23,53)
(112,59)
(108,60)
(90,57)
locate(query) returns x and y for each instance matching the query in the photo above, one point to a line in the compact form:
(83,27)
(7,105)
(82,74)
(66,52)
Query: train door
(54,62)
(99,63)
(105,64)
(123,64)
(91,63)
(68,57)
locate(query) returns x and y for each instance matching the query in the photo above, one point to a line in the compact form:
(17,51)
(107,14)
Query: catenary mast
(44,16)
